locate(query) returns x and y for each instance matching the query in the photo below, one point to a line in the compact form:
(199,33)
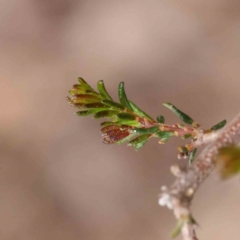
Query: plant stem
(179,196)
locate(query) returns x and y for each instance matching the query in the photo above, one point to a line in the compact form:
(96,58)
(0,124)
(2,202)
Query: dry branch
(179,196)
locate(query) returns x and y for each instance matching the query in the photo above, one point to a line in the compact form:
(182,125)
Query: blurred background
(57,180)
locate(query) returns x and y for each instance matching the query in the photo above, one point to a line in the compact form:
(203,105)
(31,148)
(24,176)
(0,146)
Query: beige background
(57,180)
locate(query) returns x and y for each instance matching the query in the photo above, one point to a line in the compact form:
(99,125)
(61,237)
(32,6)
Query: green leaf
(188,135)
(95,105)
(130,123)
(72,103)
(106,113)
(123,97)
(85,85)
(178,228)
(164,135)
(122,122)
(192,221)
(138,111)
(102,90)
(150,130)
(161,119)
(219,125)
(192,155)
(126,116)
(89,112)
(85,98)
(113,104)
(105,124)
(126,139)
(84,113)
(140,141)
(184,117)
(77,89)
(183,150)
(94,94)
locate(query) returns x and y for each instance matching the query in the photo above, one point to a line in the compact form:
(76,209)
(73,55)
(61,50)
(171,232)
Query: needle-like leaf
(112,104)
(164,136)
(192,155)
(106,113)
(102,90)
(140,141)
(126,116)
(184,117)
(150,130)
(178,228)
(219,125)
(138,111)
(161,119)
(123,97)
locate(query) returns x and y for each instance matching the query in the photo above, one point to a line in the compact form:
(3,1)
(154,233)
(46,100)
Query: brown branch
(179,196)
